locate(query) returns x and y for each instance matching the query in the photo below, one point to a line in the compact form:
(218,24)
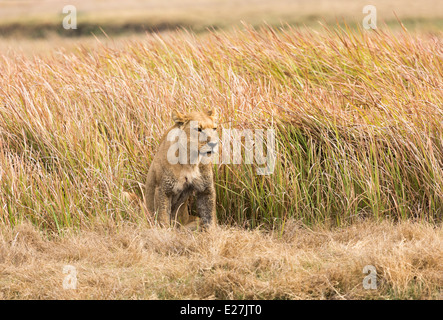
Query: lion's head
(200,130)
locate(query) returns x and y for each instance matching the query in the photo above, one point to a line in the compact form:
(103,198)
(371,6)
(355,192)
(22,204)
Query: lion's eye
(199,129)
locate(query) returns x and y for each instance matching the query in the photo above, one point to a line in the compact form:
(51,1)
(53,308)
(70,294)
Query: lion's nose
(212,144)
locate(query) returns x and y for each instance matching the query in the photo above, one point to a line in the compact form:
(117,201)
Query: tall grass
(358,119)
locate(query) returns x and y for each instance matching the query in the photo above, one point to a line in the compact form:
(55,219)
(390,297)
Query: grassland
(358,177)
(357,116)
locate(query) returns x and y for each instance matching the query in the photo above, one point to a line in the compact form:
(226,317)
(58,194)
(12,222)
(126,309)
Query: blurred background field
(137,15)
(29,25)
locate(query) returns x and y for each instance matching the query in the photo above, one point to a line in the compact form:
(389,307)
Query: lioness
(170,183)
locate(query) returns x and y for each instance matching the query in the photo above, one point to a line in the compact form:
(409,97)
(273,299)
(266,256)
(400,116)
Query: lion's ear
(178,117)
(212,113)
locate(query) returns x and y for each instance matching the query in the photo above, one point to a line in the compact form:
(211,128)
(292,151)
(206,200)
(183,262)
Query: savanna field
(358,177)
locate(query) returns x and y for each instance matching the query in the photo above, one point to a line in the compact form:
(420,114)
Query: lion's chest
(187,179)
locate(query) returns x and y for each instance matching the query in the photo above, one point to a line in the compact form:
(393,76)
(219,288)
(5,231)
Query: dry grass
(130,262)
(358,119)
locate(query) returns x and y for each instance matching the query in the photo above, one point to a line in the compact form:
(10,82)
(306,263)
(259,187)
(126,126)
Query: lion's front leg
(162,204)
(205,202)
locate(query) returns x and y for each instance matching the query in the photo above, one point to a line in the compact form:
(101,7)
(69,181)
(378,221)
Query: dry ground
(133,262)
